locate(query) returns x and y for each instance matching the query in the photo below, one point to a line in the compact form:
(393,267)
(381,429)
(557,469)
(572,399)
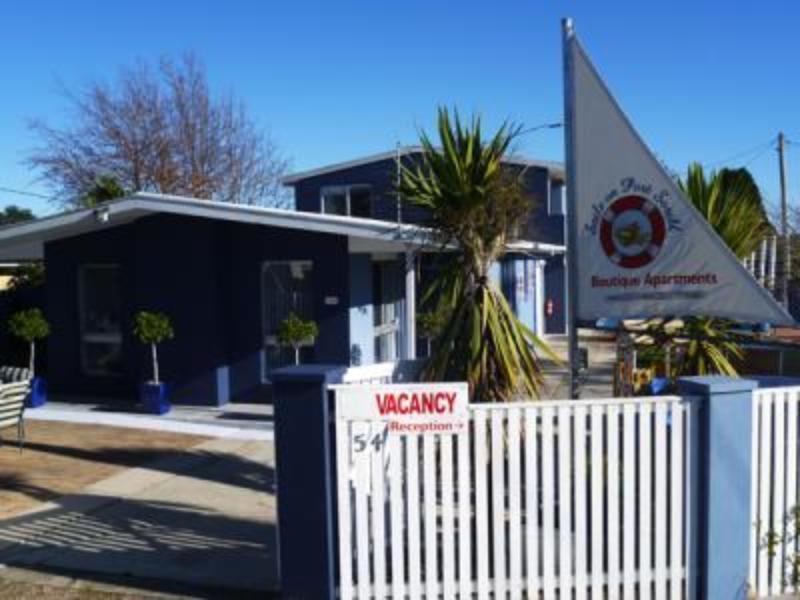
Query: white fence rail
(591,499)
(385,372)
(774,493)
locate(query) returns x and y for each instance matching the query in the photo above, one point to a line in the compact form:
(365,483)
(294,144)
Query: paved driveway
(204,517)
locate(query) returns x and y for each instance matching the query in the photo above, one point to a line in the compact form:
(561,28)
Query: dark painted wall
(207,276)
(13,350)
(382,175)
(555,289)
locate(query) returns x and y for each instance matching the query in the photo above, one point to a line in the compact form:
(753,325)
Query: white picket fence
(774,491)
(584,499)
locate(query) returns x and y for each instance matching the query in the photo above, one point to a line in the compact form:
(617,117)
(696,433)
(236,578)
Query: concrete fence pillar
(306,483)
(726,472)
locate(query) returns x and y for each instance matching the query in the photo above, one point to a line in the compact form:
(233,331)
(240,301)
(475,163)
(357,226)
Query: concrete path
(234,421)
(204,518)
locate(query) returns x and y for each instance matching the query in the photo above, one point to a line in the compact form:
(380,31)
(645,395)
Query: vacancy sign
(407,409)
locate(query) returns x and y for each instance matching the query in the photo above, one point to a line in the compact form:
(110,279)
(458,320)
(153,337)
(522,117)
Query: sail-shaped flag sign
(640,247)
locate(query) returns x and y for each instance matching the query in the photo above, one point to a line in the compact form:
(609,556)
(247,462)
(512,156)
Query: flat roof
(25,241)
(556,169)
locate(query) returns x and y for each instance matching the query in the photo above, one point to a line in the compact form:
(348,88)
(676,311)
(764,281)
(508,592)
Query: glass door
(388,294)
(286,287)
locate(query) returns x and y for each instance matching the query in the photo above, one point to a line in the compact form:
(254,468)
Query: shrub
(152,328)
(29,325)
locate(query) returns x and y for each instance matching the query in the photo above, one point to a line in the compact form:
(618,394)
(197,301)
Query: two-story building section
(531,274)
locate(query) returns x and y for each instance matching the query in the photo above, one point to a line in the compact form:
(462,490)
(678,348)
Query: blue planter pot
(38,395)
(154,398)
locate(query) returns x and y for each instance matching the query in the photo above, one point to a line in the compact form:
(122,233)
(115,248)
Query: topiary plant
(294,331)
(430,325)
(152,328)
(29,325)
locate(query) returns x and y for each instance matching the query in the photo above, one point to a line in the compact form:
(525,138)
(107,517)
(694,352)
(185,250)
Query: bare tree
(160,130)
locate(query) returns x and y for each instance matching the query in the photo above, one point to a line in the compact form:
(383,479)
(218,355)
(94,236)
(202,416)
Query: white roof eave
(26,241)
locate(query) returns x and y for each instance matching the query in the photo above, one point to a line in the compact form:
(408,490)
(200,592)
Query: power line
(9,190)
(757,156)
(554,125)
(758,150)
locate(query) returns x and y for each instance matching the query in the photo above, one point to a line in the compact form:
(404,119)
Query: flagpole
(571,212)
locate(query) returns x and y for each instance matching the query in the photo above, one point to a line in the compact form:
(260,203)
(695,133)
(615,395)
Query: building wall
(362,317)
(207,276)
(555,290)
(382,175)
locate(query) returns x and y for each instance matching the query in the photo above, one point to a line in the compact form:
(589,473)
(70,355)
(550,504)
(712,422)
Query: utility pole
(572,223)
(787,246)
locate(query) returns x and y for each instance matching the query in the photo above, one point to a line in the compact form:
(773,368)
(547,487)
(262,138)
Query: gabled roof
(556,169)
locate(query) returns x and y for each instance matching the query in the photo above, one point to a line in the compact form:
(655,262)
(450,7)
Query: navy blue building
(227,275)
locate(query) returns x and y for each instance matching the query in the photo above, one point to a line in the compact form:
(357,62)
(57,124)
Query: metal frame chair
(12,408)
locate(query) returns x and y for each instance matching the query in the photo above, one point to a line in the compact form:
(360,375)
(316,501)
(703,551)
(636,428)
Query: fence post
(725,478)
(305,480)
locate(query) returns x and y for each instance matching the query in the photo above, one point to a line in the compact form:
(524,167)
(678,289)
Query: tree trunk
(155,363)
(32,365)
(297,355)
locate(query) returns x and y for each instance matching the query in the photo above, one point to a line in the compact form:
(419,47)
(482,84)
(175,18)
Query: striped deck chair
(12,408)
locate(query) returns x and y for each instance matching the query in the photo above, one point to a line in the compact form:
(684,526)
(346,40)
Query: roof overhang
(555,169)
(25,241)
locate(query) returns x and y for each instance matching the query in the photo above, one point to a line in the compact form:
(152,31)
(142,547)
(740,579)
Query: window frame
(269,342)
(346,189)
(273,339)
(84,336)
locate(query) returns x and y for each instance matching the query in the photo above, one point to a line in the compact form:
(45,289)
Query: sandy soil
(63,458)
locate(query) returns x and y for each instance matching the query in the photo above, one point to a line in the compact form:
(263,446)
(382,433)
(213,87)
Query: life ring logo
(632,231)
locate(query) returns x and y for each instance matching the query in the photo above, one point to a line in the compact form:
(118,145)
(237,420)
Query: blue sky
(335,80)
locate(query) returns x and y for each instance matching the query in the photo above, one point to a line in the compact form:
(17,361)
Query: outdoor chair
(14,374)
(12,408)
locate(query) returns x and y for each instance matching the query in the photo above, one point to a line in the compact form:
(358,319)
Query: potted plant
(153,328)
(295,332)
(429,326)
(30,325)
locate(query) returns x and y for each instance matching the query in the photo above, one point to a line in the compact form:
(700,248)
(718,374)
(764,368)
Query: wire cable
(9,190)
(759,149)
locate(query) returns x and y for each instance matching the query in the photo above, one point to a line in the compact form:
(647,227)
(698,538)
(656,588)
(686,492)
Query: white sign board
(407,409)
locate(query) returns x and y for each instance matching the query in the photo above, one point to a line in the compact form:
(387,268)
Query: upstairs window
(347,200)
(100,304)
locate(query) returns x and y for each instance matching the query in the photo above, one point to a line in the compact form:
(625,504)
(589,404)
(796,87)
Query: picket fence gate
(585,499)
(774,567)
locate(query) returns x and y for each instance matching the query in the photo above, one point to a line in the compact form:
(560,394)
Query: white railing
(586,498)
(774,495)
(385,372)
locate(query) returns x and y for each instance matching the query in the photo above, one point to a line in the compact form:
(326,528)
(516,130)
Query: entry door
(388,294)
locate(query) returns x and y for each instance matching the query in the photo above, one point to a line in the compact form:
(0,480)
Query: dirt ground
(63,458)
(32,591)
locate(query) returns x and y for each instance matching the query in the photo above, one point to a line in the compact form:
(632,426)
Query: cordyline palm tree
(477,206)
(731,202)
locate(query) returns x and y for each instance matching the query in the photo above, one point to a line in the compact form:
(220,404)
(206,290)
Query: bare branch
(160,130)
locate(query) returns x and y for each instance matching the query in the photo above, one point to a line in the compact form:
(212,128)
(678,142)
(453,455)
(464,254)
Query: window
(286,287)
(100,306)
(352,200)
(388,298)
(556,199)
